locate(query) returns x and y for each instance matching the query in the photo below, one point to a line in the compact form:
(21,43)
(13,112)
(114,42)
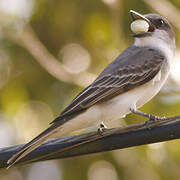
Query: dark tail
(27,148)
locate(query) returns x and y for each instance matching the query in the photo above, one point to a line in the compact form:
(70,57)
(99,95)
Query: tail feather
(57,129)
(27,148)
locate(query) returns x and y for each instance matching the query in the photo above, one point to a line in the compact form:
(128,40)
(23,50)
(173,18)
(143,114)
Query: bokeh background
(49,51)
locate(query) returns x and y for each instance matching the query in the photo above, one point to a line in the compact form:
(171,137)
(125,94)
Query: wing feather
(124,77)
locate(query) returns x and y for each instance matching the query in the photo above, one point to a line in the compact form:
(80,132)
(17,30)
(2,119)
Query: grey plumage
(129,70)
(128,75)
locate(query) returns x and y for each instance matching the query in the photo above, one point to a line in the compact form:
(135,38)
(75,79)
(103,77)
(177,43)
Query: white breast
(120,105)
(166,46)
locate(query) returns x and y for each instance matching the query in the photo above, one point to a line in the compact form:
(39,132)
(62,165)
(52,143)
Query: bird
(125,85)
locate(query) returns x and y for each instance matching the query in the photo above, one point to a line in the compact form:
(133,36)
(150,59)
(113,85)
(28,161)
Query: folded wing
(120,77)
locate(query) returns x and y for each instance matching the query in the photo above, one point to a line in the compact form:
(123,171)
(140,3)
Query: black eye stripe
(158,22)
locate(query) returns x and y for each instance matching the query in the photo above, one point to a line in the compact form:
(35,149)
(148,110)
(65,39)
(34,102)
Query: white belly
(118,106)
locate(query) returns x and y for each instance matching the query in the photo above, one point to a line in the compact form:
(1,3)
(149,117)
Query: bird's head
(151,29)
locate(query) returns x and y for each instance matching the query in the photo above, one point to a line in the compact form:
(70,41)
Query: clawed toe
(153,119)
(156,118)
(102,128)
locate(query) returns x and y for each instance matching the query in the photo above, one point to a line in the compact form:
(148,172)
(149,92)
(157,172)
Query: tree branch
(116,138)
(29,40)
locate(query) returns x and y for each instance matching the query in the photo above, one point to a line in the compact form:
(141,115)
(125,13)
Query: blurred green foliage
(30,96)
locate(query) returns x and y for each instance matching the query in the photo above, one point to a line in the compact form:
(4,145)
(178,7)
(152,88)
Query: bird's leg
(102,128)
(149,116)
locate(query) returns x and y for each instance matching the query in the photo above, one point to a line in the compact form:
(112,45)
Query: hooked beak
(135,15)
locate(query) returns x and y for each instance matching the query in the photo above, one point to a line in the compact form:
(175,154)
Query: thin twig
(53,66)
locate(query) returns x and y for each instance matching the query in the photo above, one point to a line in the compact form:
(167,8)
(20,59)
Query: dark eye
(161,22)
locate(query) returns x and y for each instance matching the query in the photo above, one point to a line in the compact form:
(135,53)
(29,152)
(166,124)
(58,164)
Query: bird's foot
(102,128)
(152,119)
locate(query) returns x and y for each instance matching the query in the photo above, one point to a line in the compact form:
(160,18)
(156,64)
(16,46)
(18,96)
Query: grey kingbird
(125,85)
